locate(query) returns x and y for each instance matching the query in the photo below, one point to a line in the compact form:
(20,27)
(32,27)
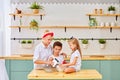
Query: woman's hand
(49,62)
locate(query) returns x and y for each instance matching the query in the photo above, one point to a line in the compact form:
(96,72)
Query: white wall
(68,15)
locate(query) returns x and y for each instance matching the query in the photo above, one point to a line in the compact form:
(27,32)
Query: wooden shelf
(27,14)
(67,27)
(116,15)
(52,26)
(103,14)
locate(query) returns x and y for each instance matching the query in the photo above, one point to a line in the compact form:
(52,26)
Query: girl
(75,58)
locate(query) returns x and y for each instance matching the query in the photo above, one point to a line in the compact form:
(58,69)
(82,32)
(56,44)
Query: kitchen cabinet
(7,64)
(91,64)
(21,65)
(18,69)
(19,75)
(110,69)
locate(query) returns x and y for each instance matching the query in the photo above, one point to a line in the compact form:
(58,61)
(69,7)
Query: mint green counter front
(18,69)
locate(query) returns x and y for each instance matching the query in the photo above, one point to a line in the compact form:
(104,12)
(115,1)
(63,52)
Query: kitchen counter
(82,74)
(18,57)
(89,57)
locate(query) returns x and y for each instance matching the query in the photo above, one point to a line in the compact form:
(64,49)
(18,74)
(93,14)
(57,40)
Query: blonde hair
(46,31)
(76,42)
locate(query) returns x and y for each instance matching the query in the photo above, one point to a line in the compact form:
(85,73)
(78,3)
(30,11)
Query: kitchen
(68,18)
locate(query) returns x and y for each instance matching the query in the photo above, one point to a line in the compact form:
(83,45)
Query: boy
(57,58)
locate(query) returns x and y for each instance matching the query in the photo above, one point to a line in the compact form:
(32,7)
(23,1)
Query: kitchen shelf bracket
(14,17)
(111,29)
(19,29)
(116,17)
(41,17)
(89,17)
(65,29)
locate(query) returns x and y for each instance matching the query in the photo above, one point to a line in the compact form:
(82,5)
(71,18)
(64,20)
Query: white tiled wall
(68,15)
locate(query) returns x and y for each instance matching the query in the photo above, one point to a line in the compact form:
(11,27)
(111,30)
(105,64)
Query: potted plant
(102,43)
(36,7)
(85,43)
(92,22)
(34,25)
(111,9)
(27,44)
(29,41)
(23,42)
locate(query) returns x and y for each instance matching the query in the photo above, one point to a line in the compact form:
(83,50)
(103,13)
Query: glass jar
(100,11)
(95,11)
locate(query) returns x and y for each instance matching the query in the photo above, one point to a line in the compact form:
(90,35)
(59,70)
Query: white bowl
(60,69)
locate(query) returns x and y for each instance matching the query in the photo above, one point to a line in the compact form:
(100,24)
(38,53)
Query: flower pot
(35,11)
(102,46)
(27,46)
(111,12)
(85,46)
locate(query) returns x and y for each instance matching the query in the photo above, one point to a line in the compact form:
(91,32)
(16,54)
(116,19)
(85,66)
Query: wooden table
(81,75)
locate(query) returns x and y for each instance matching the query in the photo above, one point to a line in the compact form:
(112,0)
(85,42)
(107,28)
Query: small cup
(107,24)
(102,24)
(113,24)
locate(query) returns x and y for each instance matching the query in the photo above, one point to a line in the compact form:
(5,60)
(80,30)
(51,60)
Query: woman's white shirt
(41,53)
(77,66)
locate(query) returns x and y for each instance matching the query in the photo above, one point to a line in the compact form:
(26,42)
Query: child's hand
(50,63)
(64,54)
(62,65)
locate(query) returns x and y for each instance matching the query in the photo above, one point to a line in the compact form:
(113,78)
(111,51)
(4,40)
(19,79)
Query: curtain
(3,72)
(3,26)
